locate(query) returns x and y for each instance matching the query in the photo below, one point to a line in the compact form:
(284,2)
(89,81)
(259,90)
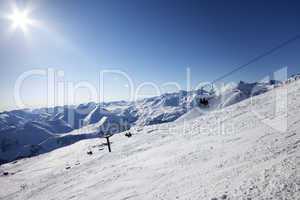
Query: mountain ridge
(59,122)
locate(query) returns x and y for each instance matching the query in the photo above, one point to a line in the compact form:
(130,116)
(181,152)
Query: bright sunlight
(20,19)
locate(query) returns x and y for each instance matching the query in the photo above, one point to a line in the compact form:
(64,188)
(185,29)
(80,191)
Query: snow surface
(229,153)
(27,132)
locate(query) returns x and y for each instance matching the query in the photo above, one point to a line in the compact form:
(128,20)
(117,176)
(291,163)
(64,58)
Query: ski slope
(30,132)
(233,153)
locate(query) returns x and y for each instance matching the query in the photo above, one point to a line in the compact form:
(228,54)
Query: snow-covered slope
(120,116)
(232,153)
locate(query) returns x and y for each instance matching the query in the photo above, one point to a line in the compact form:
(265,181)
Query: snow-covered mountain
(22,132)
(231,153)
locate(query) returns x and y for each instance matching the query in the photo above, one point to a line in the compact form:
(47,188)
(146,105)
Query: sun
(20,19)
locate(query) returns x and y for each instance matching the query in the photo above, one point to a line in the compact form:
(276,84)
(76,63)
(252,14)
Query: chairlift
(206,96)
(203,102)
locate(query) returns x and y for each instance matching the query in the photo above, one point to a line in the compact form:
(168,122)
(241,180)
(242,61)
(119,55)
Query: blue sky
(152,41)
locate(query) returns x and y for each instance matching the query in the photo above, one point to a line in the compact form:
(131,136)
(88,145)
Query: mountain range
(30,132)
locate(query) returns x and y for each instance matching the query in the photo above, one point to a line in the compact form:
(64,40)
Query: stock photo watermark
(203,99)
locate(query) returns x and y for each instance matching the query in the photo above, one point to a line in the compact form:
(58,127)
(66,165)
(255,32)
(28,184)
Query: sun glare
(20,19)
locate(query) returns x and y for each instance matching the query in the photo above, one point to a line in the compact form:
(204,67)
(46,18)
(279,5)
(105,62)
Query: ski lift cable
(270,51)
